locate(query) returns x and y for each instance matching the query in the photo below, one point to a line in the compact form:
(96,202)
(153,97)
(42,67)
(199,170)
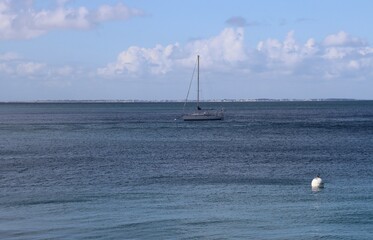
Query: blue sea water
(136,171)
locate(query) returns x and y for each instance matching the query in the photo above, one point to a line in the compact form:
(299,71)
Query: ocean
(137,171)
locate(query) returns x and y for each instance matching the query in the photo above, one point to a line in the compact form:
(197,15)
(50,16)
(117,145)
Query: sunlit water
(136,171)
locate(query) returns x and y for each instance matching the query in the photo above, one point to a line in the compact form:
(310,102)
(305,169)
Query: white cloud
(289,52)
(366,51)
(13,65)
(136,60)
(29,68)
(218,52)
(222,55)
(61,18)
(337,56)
(342,39)
(336,53)
(9,56)
(22,21)
(354,65)
(226,48)
(119,11)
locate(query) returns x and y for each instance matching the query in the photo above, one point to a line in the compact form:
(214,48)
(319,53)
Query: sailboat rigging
(203,114)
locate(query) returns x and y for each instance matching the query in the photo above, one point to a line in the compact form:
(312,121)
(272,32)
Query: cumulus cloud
(342,39)
(19,20)
(220,51)
(136,60)
(226,48)
(331,58)
(335,57)
(13,65)
(29,68)
(345,55)
(288,52)
(118,11)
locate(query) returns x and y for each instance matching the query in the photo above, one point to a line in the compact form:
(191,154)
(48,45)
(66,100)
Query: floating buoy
(317,182)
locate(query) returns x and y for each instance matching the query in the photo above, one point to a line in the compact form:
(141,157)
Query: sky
(146,50)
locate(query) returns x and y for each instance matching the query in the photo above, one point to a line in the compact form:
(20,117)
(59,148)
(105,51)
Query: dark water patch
(213,221)
(225,180)
(27,233)
(52,201)
(43,202)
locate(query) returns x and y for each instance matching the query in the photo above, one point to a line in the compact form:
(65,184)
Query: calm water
(135,171)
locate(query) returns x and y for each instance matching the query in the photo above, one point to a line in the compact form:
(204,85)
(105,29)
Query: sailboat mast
(198,82)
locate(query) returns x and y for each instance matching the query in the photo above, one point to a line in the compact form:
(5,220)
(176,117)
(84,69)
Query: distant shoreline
(182,101)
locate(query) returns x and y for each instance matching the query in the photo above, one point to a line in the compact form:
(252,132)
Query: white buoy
(317,182)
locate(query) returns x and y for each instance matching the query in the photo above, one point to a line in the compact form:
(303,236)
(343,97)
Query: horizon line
(182,101)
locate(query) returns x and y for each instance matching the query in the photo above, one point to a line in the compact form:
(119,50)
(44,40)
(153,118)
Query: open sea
(137,171)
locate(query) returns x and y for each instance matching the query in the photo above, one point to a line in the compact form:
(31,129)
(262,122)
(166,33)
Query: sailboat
(203,114)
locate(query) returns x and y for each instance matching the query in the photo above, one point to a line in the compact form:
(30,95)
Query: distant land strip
(181,101)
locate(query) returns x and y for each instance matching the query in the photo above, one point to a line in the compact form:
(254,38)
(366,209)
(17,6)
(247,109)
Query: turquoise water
(136,171)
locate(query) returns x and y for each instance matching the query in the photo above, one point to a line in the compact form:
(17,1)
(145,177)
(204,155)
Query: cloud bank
(13,66)
(19,19)
(221,52)
(338,55)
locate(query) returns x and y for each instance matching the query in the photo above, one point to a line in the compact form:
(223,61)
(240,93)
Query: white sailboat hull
(204,115)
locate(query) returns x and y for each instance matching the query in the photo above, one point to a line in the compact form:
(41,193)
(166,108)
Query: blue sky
(141,49)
